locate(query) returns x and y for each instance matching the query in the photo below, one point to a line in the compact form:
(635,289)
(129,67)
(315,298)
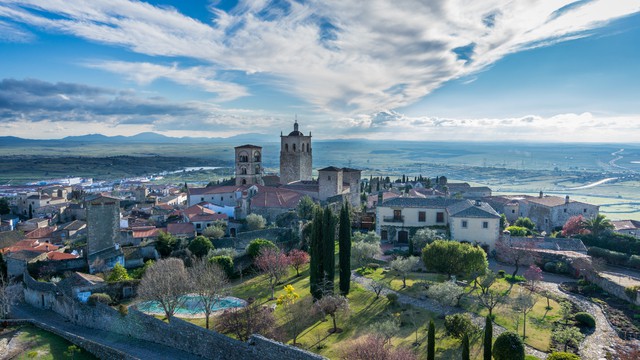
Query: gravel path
(435,307)
(596,345)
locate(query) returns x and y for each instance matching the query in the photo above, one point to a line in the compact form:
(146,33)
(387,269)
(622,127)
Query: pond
(192,306)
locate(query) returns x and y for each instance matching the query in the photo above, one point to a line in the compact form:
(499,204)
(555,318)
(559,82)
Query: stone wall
(98,350)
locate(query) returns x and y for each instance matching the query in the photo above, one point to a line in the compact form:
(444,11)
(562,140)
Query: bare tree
(209,281)
(9,294)
(370,347)
(516,254)
(275,265)
(166,282)
(486,281)
(376,286)
(333,305)
(243,322)
(524,303)
(491,299)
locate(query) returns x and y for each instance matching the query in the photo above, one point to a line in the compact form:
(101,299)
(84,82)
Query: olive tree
(333,305)
(361,251)
(255,222)
(403,266)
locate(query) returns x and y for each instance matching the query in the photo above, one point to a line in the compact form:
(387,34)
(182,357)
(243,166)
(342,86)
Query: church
(251,195)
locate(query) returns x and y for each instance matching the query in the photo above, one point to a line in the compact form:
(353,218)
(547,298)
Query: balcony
(393,218)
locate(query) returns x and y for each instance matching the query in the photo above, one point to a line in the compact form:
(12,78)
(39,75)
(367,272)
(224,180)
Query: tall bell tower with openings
(295,156)
(248,165)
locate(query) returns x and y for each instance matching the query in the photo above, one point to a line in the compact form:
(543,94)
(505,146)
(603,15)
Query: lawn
(394,281)
(539,320)
(35,343)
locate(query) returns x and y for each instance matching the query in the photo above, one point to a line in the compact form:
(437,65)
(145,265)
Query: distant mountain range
(145,137)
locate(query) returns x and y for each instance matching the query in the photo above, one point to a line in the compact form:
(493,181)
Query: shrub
(515,279)
(585,319)
(256,246)
(518,231)
(393,298)
(531,357)
(225,263)
(457,325)
(501,273)
(373,266)
(508,346)
(632,292)
(123,309)
(550,267)
(562,356)
(99,298)
(612,257)
(634,262)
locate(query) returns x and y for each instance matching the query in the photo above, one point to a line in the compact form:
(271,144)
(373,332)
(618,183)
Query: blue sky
(446,70)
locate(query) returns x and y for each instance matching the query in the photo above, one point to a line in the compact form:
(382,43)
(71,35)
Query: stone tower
(295,156)
(103,223)
(248,165)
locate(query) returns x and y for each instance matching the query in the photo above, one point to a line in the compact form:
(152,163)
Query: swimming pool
(192,305)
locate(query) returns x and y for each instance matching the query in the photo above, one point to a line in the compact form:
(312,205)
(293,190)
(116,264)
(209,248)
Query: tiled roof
(470,209)
(197,209)
(626,225)
(180,228)
(25,255)
(207,217)
(31,245)
(145,233)
(420,202)
(350,170)
(385,196)
(223,189)
(75,225)
(56,256)
(249,146)
(40,233)
(272,197)
(330,168)
(308,186)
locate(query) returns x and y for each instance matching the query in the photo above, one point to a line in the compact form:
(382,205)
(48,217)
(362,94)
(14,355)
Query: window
(513,211)
(464,224)
(546,221)
(584,210)
(243,171)
(397,214)
(329,177)
(485,224)
(383,235)
(422,216)
(565,210)
(201,199)
(286,147)
(440,217)
(294,147)
(198,226)
(221,198)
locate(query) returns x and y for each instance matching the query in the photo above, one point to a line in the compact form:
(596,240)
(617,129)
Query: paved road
(139,348)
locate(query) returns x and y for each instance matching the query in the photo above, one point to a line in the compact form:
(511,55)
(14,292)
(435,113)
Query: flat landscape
(606,175)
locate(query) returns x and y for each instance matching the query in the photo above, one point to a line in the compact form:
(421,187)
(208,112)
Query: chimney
(380,198)
(541,194)
(566,199)
(478,203)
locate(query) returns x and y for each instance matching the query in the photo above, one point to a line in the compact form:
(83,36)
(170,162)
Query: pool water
(192,305)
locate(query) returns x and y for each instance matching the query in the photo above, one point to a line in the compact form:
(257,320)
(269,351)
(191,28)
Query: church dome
(295,131)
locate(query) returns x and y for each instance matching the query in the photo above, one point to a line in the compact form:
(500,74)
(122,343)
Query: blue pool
(192,305)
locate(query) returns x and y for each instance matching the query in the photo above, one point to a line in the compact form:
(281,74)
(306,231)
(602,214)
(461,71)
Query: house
(223,195)
(137,235)
(80,285)
(43,234)
(273,201)
(17,261)
(476,222)
(627,227)
(202,217)
(549,213)
(182,230)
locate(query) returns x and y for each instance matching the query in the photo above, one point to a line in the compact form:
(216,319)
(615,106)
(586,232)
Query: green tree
(488,338)
(503,221)
(305,208)
(165,244)
(213,232)
(316,251)
(403,266)
(431,341)
(255,222)
(118,273)
(200,246)
(458,325)
(344,248)
(454,258)
(256,246)
(525,222)
(329,248)
(465,347)
(518,231)
(71,352)
(225,262)
(508,346)
(4,207)
(421,238)
(568,336)
(598,225)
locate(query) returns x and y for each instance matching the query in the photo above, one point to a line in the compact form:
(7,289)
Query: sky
(459,70)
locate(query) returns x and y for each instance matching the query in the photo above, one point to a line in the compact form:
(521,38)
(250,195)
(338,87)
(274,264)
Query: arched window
(256,156)
(243,157)
(294,147)
(286,147)
(243,171)
(257,169)
(244,181)
(307,147)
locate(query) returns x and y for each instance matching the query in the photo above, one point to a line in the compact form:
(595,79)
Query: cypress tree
(329,257)
(488,338)
(345,250)
(431,341)
(316,252)
(465,347)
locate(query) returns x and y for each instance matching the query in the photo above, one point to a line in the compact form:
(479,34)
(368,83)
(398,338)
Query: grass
(393,280)
(539,320)
(40,344)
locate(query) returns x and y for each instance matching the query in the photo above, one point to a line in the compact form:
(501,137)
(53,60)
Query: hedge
(508,346)
(563,356)
(99,298)
(585,319)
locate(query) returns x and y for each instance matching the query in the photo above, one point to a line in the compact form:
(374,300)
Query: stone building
(295,156)
(248,165)
(103,232)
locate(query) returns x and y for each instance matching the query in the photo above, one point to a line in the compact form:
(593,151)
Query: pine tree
(431,341)
(488,338)
(316,251)
(345,250)
(329,245)
(465,347)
